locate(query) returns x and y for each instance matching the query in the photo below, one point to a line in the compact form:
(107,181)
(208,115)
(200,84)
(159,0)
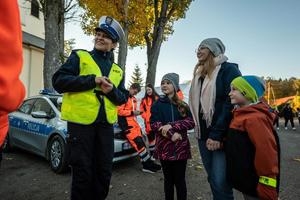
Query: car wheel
(57,154)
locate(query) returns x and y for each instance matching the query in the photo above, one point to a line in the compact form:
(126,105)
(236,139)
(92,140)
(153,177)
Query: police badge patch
(108,21)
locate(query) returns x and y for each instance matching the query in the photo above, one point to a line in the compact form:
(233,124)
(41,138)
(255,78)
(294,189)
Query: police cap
(111,27)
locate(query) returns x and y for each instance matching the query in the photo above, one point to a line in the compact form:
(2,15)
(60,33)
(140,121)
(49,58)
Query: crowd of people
(288,115)
(233,125)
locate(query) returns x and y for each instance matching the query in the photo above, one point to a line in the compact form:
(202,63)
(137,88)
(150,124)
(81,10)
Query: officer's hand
(213,145)
(98,80)
(106,88)
(102,80)
(164,129)
(104,83)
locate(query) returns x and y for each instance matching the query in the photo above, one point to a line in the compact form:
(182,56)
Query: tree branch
(164,8)
(68,8)
(155,11)
(171,12)
(161,21)
(71,10)
(67,4)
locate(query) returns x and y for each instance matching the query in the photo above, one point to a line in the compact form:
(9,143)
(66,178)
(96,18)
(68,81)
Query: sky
(261,36)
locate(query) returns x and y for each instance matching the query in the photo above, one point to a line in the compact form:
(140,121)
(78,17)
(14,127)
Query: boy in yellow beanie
(252,145)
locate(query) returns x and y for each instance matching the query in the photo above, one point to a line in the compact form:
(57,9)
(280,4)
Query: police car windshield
(54,101)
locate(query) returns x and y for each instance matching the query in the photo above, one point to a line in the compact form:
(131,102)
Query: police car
(36,127)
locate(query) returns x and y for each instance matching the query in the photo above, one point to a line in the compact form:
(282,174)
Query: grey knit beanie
(215,45)
(174,78)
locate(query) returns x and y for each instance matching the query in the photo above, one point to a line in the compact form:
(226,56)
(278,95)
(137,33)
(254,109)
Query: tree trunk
(152,55)
(153,50)
(123,48)
(54,39)
(153,47)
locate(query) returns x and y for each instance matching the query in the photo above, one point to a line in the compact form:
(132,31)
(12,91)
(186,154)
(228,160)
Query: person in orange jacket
(12,90)
(127,121)
(145,107)
(180,94)
(252,145)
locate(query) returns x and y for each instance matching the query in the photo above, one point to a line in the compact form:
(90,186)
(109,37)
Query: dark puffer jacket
(223,107)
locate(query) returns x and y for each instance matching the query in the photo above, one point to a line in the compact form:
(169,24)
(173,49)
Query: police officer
(92,87)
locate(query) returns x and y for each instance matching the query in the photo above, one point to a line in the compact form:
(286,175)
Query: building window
(35,8)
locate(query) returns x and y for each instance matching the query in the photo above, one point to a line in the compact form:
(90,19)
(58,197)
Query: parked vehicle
(36,127)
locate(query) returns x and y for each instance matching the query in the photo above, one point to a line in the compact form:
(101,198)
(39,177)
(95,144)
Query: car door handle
(25,121)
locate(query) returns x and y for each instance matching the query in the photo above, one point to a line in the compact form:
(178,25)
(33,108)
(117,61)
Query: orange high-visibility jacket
(125,114)
(180,95)
(12,90)
(145,107)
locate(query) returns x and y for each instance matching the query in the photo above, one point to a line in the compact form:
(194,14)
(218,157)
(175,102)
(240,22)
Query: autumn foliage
(141,17)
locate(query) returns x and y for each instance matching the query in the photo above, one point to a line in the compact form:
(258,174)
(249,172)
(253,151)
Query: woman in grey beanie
(211,109)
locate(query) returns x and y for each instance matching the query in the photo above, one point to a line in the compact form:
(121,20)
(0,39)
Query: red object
(12,90)
(180,95)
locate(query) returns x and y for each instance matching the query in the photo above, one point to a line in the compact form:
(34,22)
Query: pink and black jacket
(164,112)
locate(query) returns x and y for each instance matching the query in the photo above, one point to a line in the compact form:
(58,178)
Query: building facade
(33,33)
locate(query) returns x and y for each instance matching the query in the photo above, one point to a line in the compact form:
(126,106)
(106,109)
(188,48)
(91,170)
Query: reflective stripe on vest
(83,107)
(268,181)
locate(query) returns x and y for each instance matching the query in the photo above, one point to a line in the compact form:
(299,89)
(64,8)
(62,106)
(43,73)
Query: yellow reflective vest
(83,107)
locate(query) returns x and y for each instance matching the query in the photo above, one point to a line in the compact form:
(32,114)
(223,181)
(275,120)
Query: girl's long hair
(205,67)
(182,107)
(154,93)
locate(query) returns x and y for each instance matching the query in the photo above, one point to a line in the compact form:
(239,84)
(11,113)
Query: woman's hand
(104,83)
(213,145)
(176,136)
(164,129)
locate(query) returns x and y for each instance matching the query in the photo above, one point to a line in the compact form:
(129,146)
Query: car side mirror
(40,114)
